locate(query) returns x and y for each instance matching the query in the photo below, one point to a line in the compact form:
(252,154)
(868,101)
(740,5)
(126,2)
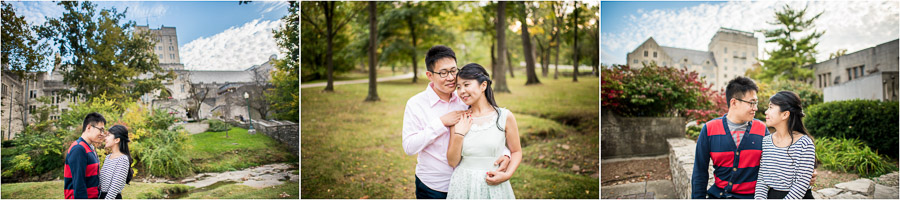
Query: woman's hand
(462,127)
(495,178)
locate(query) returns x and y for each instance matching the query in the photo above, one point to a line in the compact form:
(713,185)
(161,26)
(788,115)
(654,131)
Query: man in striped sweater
(734,144)
(82,180)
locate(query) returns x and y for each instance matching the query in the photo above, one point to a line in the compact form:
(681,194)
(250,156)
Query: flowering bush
(655,91)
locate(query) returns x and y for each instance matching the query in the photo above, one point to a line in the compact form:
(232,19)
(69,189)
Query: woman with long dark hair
(116,171)
(485,129)
(789,155)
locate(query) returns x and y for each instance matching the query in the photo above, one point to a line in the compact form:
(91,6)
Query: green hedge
(871,121)
(218,126)
(851,155)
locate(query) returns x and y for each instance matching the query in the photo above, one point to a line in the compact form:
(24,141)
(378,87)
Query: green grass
(237,191)
(352,149)
(385,71)
(53,190)
(213,152)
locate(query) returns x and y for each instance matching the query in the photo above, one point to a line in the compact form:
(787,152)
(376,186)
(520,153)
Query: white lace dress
(481,147)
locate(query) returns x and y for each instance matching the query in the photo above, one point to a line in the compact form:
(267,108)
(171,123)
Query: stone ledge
(681,164)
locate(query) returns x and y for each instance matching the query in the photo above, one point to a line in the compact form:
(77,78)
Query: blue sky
(212,35)
(849,25)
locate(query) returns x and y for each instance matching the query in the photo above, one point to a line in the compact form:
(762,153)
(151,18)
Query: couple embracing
(749,162)
(84,179)
(467,146)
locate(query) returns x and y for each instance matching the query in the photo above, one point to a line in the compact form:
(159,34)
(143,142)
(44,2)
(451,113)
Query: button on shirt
(425,134)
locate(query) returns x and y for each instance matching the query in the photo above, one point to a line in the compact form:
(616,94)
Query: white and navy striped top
(786,173)
(113,175)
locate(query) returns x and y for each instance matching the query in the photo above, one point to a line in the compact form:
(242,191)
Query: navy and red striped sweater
(735,166)
(82,180)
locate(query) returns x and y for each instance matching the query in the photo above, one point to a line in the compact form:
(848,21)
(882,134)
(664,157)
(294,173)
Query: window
(819,77)
(170,40)
(31,108)
(685,60)
(849,75)
(159,48)
(855,73)
(645,53)
(726,68)
(862,70)
(171,48)
(654,54)
(726,60)
(635,61)
(182,87)
(726,75)
(33,94)
(726,50)
(172,56)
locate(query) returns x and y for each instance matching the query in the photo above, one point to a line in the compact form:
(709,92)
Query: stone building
(223,89)
(730,53)
(870,73)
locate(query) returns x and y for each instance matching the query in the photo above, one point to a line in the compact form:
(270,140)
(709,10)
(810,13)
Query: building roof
(221,76)
(694,57)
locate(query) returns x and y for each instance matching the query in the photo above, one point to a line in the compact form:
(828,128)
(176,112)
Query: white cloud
(849,25)
(237,48)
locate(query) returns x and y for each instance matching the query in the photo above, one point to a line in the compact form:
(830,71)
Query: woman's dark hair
(477,72)
(119,131)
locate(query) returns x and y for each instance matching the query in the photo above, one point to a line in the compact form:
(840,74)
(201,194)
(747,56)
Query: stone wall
(286,132)
(681,164)
(637,136)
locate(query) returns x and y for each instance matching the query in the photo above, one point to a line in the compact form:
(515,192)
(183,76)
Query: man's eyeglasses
(752,103)
(102,131)
(443,73)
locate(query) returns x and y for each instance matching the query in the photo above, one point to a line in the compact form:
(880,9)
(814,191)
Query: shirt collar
(433,98)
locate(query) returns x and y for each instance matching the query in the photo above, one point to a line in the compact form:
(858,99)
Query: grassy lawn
(53,190)
(213,152)
(356,74)
(352,149)
(290,190)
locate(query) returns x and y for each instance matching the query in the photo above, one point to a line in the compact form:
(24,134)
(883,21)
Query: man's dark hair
(92,119)
(436,53)
(737,87)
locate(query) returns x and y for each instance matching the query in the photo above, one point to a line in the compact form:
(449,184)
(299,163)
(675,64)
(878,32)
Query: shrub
(871,121)
(808,94)
(163,153)
(693,131)
(851,155)
(218,126)
(654,91)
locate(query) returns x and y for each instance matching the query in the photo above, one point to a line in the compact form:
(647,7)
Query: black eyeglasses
(102,131)
(752,103)
(443,73)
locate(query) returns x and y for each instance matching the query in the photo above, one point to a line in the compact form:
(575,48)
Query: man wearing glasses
(82,168)
(427,121)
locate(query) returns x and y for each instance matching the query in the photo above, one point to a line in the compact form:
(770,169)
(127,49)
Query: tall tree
(558,16)
(500,26)
(284,98)
(315,38)
(527,47)
(373,31)
(102,55)
(406,28)
(22,51)
(330,31)
(575,27)
(794,51)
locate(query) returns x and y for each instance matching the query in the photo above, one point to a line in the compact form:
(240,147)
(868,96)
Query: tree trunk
(510,64)
(412,33)
(559,22)
(500,26)
(373,84)
(493,61)
(575,26)
(541,55)
(528,49)
(329,62)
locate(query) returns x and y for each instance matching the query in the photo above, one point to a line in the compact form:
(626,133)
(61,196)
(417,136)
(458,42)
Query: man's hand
(503,161)
(451,118)
(495,178)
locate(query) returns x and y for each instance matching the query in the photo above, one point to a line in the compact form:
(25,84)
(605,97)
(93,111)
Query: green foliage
(851,155)
(102,55)
(218,126)
(693,132)
(655,91)
(163,192)
(163,153)
(20,164)
(793,52)
(22,50)
(285,97)
(314,37)
(809,95)
(871,121)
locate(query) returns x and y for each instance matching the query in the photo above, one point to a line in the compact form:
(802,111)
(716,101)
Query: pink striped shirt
(426,135)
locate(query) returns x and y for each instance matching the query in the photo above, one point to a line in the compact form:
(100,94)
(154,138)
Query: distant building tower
(166,45)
